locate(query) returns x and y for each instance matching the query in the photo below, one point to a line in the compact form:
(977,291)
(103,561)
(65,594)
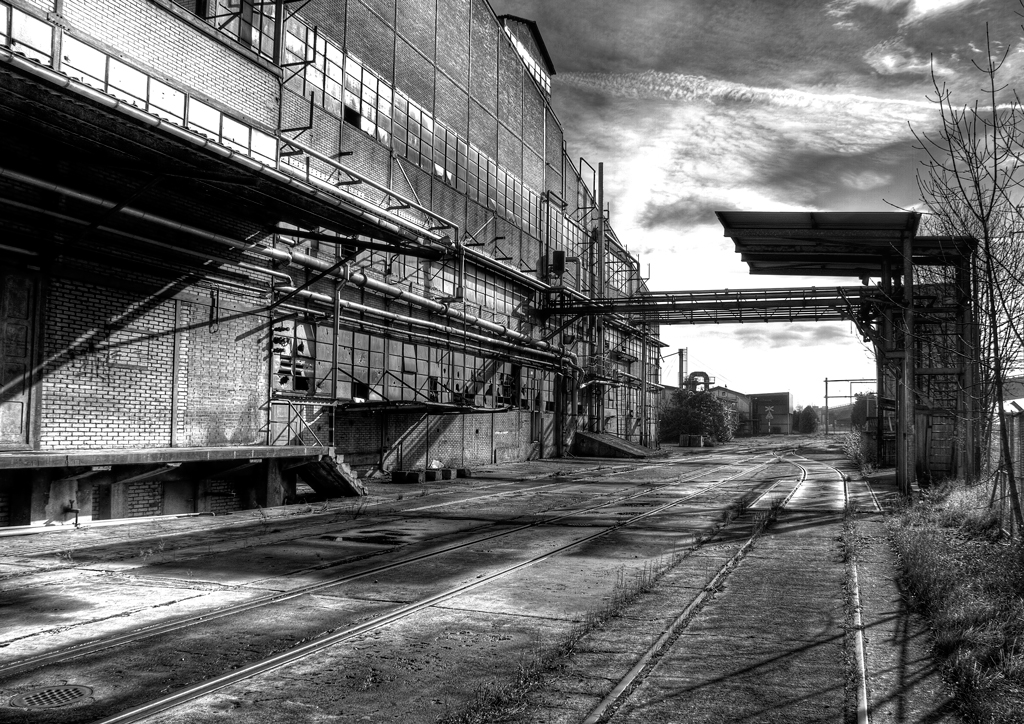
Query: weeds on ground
(854,446)
(499,700)
(502,700)
(956,570)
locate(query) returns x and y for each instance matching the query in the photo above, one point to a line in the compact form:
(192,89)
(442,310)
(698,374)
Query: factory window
(26,35)
(94,68)
(294,346)
(250,22)
(365,100)
(542,78)
(348,90)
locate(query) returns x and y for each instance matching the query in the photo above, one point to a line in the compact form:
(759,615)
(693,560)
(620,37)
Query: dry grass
(957,571)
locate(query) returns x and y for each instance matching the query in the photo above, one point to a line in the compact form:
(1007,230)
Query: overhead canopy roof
(840,244)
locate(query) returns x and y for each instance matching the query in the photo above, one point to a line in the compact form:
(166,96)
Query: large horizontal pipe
(413,322)
(286,256)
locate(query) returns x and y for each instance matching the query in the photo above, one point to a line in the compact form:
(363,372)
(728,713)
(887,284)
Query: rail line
(310,648)
(81,650)
(648,661)
(189,693)
(560,479)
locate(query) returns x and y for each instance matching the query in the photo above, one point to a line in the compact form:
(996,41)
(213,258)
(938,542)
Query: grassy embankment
(958,569)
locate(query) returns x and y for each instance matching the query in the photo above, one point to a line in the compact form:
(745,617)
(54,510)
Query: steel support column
(906,467)
(599,294)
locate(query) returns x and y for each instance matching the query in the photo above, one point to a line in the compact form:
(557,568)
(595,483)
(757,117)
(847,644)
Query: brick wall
(152,37)
(44,5)
(223,376)
(107,380)
(145,498)
(222,497)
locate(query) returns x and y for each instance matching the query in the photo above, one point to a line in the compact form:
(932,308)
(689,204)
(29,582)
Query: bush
(970,589)
(697,413)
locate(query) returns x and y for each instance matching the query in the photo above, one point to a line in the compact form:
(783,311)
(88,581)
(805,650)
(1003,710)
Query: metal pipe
(370,182)
(280,255)
(644,440)
(269,272)
(362,308)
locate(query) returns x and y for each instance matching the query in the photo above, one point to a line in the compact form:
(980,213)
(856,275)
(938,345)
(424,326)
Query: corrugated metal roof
(863,221)
(834,243)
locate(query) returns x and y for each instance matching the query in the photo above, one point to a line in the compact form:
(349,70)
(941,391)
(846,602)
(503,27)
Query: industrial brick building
(243,240)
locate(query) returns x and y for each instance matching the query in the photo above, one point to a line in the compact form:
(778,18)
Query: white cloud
(912,10)
(893,56)
(921,9)
(681,87)
(866,180)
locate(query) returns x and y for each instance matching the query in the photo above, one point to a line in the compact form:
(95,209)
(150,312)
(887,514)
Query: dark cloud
(843,181)
(685,212)
(784,43)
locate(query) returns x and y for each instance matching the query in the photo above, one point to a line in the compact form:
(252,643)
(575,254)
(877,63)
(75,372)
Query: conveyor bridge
(730,306)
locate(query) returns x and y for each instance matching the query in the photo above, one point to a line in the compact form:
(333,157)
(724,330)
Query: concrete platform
(130,456)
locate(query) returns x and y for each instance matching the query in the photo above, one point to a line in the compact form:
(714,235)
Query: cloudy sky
(758,105)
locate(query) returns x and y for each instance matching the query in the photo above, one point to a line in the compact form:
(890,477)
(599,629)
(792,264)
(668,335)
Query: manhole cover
(51,696)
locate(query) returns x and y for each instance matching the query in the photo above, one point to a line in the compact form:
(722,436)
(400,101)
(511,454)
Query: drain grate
(51,696)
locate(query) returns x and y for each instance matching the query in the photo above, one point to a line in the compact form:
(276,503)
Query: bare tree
(971,182)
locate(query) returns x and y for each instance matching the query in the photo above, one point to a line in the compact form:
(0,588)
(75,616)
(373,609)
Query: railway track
(726,472)
(71,653)
(606,710)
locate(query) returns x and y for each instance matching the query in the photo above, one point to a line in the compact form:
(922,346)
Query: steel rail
(860,650)
(302,651)
(79,651)
(624,684)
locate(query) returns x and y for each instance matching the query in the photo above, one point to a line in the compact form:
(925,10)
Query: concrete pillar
(40,482)
(274,485)
(119,500)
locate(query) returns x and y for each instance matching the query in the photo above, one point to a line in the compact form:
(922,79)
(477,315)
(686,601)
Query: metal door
(16,352)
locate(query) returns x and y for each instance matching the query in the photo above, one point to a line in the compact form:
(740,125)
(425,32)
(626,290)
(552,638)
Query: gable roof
(538,40)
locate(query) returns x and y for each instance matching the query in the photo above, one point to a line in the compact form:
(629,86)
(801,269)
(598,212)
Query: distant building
(738,404)
(771,413)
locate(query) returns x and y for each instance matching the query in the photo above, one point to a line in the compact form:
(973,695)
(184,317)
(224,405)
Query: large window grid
(94,68)
(493,293)
(26,35)
(250,22)
(294,348)
(542,78)
(343,87)
(373,368)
